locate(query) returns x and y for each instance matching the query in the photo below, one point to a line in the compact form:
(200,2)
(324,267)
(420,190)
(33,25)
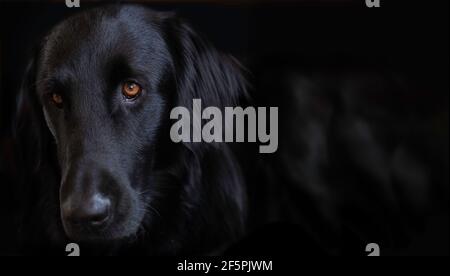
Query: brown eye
(131,89)
(57,99)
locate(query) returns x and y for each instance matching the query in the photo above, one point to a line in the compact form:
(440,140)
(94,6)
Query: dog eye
(57,99)
(131,89)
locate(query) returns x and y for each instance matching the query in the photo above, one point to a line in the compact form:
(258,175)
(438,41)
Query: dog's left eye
(57,99)
(131,89)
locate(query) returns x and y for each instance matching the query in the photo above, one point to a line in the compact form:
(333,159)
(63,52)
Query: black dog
(104,82)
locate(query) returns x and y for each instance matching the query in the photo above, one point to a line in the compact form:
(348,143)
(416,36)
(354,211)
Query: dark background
(275,39)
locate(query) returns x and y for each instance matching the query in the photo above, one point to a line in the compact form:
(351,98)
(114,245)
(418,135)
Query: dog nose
(93,212)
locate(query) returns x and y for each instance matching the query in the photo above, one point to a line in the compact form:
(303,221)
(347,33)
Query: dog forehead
(89,36)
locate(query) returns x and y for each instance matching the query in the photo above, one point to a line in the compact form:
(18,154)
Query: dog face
(101,81)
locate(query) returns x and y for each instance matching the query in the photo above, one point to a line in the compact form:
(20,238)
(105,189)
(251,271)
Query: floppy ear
(30,129)
(202,72)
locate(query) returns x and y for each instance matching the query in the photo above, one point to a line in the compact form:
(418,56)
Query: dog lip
(101,223)
(96,230)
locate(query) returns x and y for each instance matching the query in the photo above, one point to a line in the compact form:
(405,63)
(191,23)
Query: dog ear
(202,72)
(30,130)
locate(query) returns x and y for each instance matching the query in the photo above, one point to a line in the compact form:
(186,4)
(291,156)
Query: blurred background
(363,97)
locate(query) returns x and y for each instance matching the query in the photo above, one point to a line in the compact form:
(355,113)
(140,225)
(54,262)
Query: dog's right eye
(56,99)
(131,89)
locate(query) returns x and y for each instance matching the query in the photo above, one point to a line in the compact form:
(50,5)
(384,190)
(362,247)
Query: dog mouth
(98,231)
(100,234)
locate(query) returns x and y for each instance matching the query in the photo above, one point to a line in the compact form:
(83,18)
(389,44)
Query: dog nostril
(97,210)
(93,212)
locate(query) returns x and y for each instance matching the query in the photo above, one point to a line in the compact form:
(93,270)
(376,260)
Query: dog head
(102,84)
